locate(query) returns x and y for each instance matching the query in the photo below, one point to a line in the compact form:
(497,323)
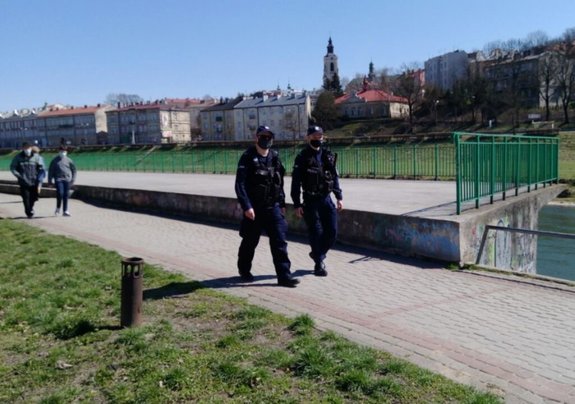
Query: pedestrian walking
(315,175)
(28,168)
(42,173)
(259,188)
(62,173)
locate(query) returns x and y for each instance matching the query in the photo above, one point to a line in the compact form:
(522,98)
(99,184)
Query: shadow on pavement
(173,289)
(179,289)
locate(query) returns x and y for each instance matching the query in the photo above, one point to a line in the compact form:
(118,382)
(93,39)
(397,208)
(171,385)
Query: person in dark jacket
(62,172)
(315,174)
(28,168)
(259,188)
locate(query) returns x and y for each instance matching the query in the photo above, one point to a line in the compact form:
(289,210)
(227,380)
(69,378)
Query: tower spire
(330,68)
(329,46)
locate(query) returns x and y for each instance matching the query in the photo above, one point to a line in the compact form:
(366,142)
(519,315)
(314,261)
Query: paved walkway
(396,197)
(512,337)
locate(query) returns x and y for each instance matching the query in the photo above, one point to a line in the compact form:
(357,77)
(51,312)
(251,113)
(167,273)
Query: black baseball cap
(264,129)
(314,129)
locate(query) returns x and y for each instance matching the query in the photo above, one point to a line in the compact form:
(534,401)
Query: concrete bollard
(132,294)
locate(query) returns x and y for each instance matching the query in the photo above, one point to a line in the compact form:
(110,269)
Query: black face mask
(315,143)
(265,143)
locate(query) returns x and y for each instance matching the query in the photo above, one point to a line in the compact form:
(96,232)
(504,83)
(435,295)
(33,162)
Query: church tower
(371,75)
(330,63)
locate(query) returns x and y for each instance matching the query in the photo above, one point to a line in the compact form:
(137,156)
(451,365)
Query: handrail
(488,165)
(516,230)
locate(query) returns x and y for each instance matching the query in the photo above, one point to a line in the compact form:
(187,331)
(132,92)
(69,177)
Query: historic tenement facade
(73,125)
(287,115)
(148,123)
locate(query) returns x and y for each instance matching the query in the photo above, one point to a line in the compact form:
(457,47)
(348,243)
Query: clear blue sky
(79,51)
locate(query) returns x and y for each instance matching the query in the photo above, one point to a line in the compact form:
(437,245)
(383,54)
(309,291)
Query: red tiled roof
(69,111)
(372,96)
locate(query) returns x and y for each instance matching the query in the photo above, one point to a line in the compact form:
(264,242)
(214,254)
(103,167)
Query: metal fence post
(132,293)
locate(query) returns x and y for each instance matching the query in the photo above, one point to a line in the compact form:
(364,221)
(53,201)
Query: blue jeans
(62,192)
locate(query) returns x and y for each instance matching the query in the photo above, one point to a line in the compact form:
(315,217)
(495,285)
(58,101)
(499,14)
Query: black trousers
(29,195)
(273,222)
(320,216)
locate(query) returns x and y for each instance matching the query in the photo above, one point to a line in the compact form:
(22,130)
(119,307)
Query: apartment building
(148,123)
(516,75)
(287,115)
(218,121)
(72,125)
(445,70)
(194,106)
(17,127)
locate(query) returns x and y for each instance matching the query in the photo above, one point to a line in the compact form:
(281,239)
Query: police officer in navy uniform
(315,174)
(259,188)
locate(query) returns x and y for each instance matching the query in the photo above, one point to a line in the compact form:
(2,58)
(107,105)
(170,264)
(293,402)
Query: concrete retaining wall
(450,238)
(405,235)
(12,188)
(503,249)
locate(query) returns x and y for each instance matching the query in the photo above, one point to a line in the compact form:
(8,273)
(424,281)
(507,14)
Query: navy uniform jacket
(249,162)
(299,171)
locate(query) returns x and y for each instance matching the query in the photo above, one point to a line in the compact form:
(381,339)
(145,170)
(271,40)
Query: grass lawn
(60,340)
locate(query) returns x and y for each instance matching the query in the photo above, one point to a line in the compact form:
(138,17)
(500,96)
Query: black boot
(319,269)
(288,282)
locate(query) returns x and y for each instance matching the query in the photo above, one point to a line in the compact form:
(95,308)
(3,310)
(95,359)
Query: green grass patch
(60,340)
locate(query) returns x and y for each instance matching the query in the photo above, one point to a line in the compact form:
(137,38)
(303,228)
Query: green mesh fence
(433,161)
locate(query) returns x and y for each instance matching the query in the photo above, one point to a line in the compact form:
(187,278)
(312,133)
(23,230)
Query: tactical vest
(264,180)
(318,178)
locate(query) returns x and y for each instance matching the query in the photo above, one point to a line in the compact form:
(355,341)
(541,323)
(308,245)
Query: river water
(556,256)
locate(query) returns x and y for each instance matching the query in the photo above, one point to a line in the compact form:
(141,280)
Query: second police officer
(259,188)
(315,174)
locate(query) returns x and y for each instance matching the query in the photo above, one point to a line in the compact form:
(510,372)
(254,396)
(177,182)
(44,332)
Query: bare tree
(409,86)
(548,64)
(565,81)
(355,85)
(344,83)
(536,39)
(492,46)
(569,35)
(123,99)
(291,121)
(431,101)
(384,79)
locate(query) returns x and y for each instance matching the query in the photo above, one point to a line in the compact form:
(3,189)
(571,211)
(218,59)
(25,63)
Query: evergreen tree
(325,111)
(333,85)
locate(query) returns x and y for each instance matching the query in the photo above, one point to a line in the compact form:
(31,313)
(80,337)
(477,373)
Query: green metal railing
(431,161)
(483,166)
(488,165)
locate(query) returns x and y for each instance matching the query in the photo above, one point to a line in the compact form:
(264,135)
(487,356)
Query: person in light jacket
(62,172)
